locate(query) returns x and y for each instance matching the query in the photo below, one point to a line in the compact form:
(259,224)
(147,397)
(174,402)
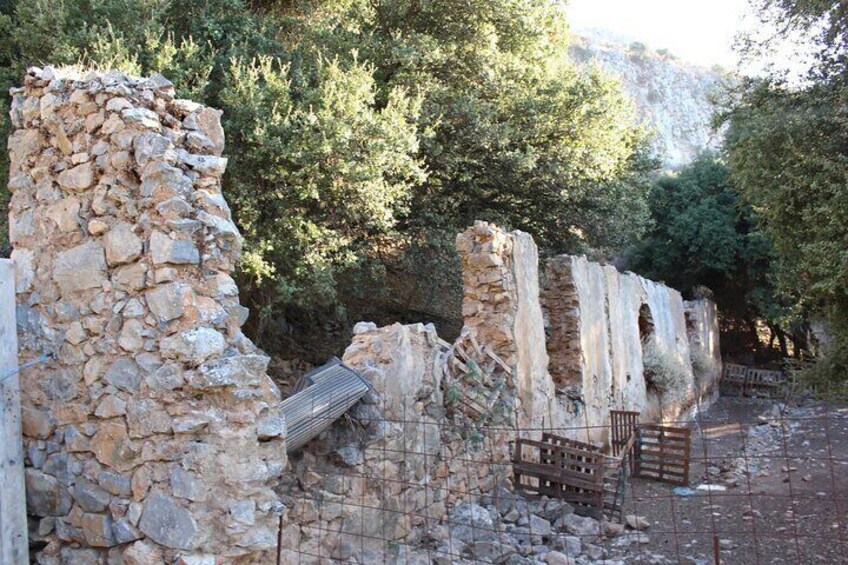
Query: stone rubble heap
(508,530)
(154,436)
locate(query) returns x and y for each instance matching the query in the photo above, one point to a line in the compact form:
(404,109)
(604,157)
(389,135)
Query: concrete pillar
(14,548)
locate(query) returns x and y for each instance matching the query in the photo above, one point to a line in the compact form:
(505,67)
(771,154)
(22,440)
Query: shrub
(663,372)
(703,365)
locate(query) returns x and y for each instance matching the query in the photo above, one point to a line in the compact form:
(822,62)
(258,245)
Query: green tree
(703,235)
(786,147)
(511,130)
(333,173)
(363,134)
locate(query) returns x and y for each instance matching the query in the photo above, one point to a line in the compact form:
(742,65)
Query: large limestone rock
(80,268)
(121,244)
(168,524)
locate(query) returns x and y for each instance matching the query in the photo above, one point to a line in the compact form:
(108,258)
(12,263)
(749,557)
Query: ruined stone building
(154,435)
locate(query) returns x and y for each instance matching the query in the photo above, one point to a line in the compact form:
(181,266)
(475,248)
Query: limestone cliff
(673,97)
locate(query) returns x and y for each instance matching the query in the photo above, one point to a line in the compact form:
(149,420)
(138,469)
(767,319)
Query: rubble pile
(392,468)
(511,530)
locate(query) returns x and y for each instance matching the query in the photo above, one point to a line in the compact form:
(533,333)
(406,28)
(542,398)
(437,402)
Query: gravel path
(784,470)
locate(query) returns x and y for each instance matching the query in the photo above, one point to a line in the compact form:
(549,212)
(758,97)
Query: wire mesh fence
(767,482)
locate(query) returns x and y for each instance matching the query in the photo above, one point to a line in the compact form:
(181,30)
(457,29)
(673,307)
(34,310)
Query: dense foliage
(704,235)
(363,134)
(787,147)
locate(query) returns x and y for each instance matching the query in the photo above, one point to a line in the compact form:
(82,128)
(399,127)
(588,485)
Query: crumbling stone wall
(154,434)
(501,305)
(594,323)
(561,303)
(388,472)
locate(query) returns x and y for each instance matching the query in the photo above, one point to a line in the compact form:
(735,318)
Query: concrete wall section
(703,331)
(595,345)
(669,332)
(624,299)
(536,389)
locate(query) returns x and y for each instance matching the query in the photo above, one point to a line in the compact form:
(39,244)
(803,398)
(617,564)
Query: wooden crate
(662,453)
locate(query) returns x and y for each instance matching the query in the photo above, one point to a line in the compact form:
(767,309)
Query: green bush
(703,365)
(826,375)
(663,372)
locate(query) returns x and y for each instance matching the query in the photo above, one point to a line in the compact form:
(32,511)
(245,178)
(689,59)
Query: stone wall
(501,305)
(594,333)
(667,313)
(154,434)
(561,302)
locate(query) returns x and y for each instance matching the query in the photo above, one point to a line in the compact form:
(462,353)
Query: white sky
(699,31)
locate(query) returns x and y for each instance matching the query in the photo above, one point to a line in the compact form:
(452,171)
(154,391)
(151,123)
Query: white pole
(13,521)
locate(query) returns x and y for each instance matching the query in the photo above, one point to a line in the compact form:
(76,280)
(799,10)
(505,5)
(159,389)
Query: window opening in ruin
(646,323)
(646,333)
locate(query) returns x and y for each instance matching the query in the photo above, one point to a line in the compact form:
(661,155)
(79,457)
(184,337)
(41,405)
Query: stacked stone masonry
(154,435)
(561,303)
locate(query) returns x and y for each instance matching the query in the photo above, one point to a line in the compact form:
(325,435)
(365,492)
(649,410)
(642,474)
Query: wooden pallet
(573,471)
(663,453)
(622,428)
(741,380)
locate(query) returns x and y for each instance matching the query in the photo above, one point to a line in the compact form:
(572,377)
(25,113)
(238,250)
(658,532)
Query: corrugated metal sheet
(321,397)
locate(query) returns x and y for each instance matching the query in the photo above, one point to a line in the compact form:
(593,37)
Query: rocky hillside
(673,96)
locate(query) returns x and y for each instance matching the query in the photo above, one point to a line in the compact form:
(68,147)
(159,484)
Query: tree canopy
(363,134)
(704,234)
(787,151)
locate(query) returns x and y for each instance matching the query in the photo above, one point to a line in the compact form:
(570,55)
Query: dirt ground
(785,471)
